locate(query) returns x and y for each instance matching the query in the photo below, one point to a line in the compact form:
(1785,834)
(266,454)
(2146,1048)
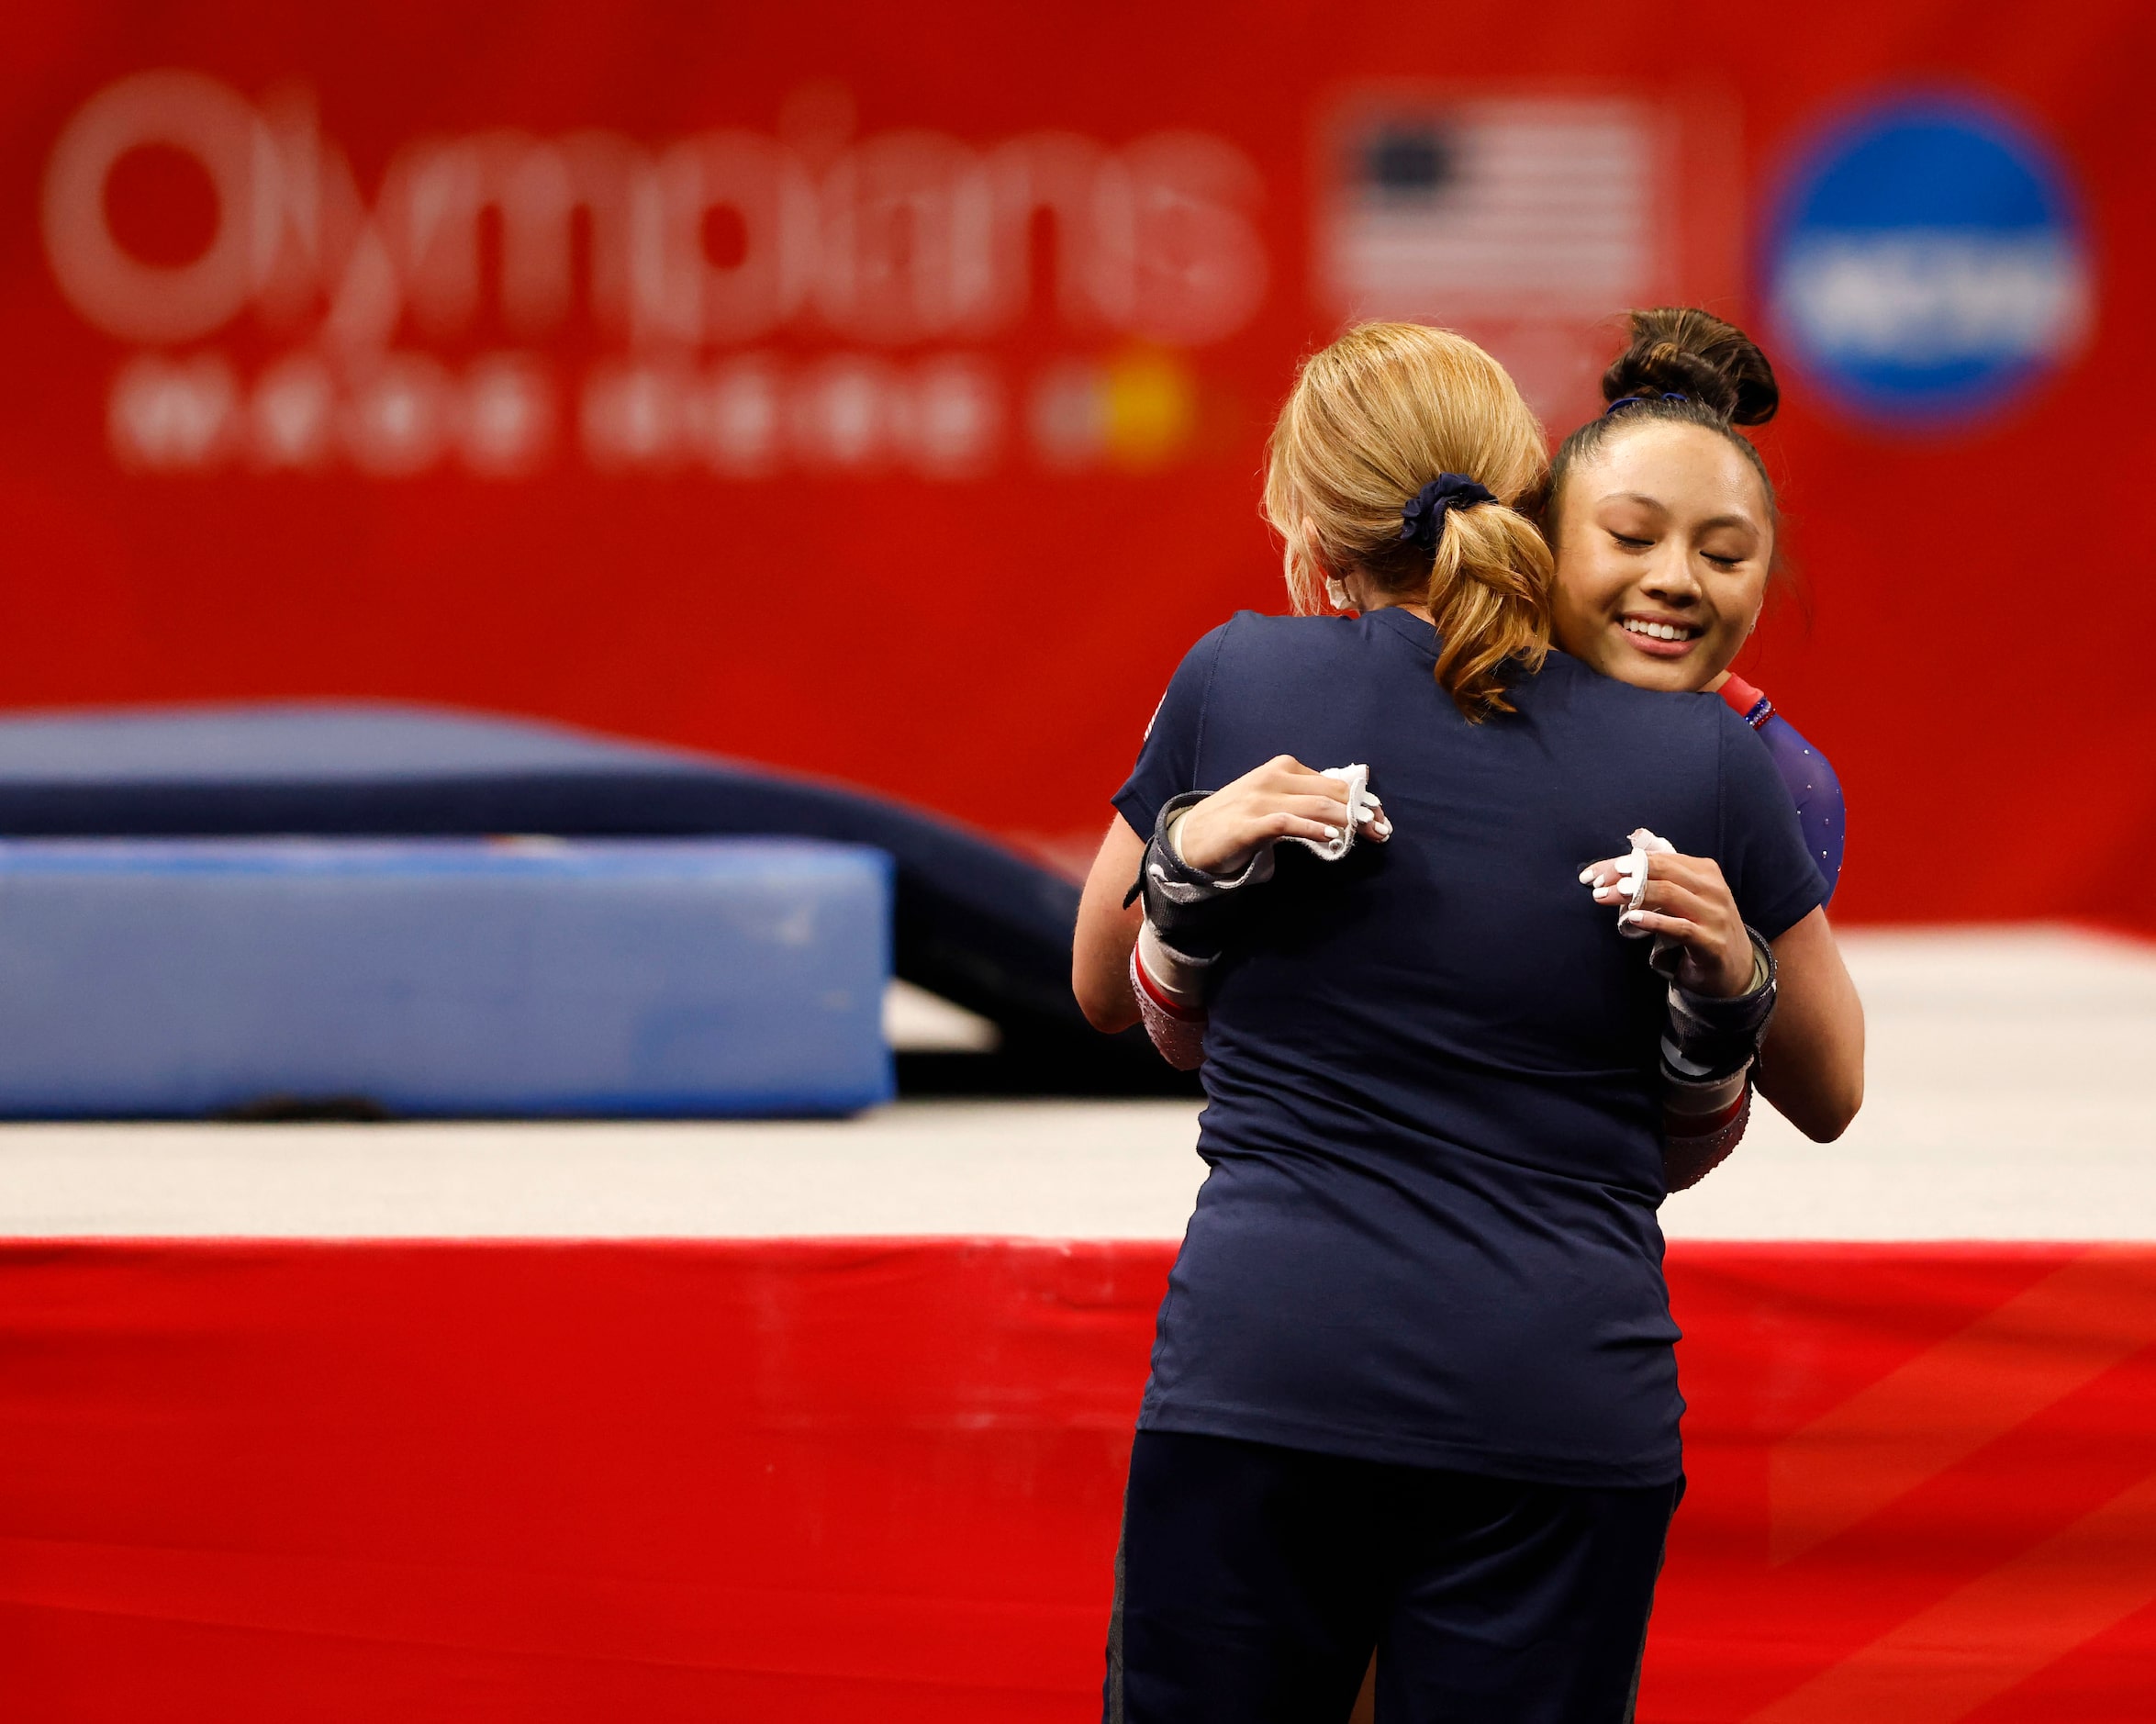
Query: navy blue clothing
(1809,777)
(1807,774)
(1428,1236)
(1254,1580)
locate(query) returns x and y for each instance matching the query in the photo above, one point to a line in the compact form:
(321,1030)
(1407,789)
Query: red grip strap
(1151,990)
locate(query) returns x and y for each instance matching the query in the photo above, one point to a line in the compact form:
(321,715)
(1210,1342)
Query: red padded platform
(839,1480)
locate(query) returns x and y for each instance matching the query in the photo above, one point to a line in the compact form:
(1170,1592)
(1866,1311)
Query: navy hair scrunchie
(1640,400)
(1424,517)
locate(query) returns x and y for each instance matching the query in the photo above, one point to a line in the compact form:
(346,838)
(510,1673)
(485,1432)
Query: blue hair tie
(1640,400)
(1424,517)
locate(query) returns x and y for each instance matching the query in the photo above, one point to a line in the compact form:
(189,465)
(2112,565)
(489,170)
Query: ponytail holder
(1424,517)
(1640,400)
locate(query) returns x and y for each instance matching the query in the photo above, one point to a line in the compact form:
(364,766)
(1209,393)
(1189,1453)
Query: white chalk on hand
(1632,871)
(1357,780)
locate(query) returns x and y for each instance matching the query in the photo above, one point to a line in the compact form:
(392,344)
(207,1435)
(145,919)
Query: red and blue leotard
(1804,770)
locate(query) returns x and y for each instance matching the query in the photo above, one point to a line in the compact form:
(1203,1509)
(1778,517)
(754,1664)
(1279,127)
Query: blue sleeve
(1763,854)
(1167,761)
(1809,777)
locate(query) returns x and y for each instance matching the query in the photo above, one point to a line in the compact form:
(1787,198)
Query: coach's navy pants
(1254,1580)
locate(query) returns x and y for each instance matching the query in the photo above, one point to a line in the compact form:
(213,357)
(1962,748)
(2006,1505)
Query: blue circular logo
(1927,262)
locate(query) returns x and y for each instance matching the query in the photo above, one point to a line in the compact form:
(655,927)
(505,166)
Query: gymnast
(1687,520)
(1412,1384)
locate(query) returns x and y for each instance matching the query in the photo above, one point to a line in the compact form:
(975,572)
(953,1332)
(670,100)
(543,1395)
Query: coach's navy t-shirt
(1433,1128)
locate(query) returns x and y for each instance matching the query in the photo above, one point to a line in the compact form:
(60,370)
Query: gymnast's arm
(1226,834)
(1107,930)
(1812,1064)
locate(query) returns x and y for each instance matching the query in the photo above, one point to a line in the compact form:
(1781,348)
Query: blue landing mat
(738,976)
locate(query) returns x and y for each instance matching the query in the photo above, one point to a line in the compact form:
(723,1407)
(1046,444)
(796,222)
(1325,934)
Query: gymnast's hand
(1686,899)
(1282,799)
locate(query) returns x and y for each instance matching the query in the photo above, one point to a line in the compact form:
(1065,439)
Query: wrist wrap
(1175,1024)
(1697,1144)
(1706,1040)
(1192,910)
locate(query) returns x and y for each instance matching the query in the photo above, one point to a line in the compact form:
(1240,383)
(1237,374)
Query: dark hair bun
(1680,350)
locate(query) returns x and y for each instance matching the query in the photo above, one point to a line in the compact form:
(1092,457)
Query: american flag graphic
(1500,208)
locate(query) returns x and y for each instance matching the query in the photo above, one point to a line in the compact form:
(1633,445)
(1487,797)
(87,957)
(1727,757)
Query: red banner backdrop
(836,1481)
(881,392)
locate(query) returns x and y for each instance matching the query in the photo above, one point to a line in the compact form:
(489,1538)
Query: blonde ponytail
(1374,417)
(1488,595)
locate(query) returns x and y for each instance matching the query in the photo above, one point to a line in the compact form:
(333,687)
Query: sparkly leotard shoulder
(1808,774)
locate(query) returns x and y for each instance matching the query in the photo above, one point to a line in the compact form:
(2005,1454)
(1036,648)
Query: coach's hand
(1687,899)
(1282,799)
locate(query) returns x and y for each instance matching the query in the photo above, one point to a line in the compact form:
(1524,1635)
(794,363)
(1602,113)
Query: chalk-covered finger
(1370,821)
(1686,934)
(1625,880)
(1672,898)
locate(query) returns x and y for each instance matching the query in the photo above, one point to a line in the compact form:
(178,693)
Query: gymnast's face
(1663,545)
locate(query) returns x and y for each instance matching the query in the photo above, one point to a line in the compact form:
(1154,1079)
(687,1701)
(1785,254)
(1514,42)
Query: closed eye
(1632,544)
(1722,562)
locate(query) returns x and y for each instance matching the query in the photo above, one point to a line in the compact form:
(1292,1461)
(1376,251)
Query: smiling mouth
(1660,631)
